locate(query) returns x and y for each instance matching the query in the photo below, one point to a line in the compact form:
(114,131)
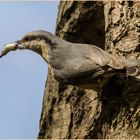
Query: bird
(83,65)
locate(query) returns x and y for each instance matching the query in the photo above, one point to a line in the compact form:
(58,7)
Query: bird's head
(37,41)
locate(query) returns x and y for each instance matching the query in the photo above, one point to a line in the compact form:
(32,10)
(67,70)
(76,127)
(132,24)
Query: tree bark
(70,112)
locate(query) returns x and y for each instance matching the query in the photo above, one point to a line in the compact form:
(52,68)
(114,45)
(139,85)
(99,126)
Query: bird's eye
(26,39)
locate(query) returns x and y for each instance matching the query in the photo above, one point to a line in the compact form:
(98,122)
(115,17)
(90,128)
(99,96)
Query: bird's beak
(9,47)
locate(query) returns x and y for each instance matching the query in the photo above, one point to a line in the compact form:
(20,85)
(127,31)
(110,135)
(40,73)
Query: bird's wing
(106,61)
(90,58)
(103,58)
(80,61)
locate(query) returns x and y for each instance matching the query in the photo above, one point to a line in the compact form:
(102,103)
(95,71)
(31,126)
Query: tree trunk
(70,112)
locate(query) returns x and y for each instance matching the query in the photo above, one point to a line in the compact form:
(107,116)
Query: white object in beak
(11,45)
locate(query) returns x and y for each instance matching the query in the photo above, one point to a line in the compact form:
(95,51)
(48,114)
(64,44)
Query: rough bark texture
(69,112)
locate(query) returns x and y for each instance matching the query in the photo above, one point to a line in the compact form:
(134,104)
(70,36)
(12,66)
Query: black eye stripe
(26,39)
(37,38)
(29,38)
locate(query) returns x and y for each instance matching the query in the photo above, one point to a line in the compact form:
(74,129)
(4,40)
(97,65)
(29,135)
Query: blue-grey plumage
(76,64)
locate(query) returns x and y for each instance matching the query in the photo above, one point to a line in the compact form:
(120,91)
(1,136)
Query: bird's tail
(132,62)
(131,66)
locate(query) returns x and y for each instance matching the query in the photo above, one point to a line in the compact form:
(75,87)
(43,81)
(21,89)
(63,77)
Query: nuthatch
(81,65)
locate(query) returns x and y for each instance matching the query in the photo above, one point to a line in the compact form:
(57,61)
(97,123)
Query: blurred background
(23,73)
